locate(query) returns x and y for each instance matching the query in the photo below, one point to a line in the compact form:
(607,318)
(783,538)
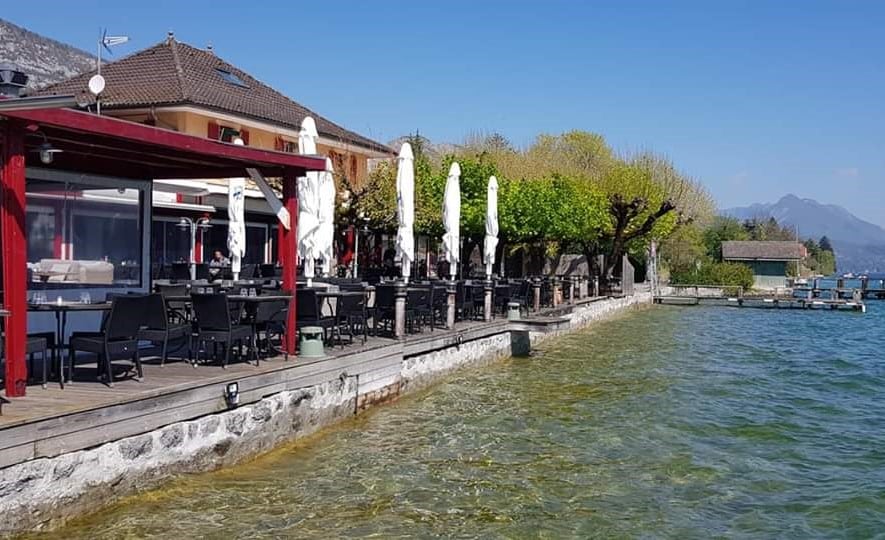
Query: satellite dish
(96,84)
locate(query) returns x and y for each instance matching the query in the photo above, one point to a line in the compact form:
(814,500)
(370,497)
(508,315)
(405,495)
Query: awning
(110,146)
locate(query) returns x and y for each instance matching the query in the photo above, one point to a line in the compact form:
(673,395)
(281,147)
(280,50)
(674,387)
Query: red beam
(92,124)
(289,255)
(15,254)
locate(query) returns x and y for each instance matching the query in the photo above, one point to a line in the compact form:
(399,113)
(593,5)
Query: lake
(673,422)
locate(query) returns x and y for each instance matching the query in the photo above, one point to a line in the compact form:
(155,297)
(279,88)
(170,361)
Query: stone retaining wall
(42,493)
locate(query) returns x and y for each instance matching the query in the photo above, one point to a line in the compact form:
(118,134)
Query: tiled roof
(768,250)
(175,73)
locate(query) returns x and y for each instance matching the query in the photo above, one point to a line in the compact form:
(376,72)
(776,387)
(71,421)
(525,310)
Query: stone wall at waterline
(44,492)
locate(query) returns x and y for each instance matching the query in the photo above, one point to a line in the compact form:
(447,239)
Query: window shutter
(244,134)
(214,131)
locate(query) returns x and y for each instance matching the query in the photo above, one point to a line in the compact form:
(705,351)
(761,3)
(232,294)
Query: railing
(702,291)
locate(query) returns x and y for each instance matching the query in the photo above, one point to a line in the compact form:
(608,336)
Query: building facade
(176,86)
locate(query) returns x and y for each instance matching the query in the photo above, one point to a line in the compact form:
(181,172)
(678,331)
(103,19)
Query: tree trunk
(624,212)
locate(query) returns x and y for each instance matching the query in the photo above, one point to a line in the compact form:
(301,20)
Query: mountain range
(45,60)
(859,244)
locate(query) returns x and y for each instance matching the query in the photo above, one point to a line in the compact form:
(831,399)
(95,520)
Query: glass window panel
(83,235)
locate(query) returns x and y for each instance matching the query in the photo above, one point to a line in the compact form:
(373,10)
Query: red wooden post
(281,250)
(289,254)
(15,256)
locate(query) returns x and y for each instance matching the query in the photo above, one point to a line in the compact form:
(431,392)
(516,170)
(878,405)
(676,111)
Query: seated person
(218,263)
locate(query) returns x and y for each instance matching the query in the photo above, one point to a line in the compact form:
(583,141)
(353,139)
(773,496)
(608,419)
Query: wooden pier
(695,295)
(844,288)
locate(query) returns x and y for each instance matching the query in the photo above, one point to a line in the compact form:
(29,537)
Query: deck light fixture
(232,394)
(47,151)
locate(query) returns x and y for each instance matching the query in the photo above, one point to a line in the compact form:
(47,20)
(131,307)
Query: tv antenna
(97,82)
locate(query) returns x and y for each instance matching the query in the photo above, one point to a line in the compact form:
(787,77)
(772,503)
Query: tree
(722,229)
(825,244)
(684,250)
(636,205)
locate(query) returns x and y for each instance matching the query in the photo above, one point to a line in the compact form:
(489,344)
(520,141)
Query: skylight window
(231,78)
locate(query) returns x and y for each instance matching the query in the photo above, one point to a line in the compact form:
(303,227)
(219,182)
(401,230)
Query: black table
(61,315)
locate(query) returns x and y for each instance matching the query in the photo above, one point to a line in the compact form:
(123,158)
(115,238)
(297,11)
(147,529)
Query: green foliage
(683,250)
(722,229)
(768,229)
(567,191)
(717,273)
(377,200)
(820,260)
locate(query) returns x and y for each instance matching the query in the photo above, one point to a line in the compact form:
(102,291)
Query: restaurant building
(175,86)
(76,200)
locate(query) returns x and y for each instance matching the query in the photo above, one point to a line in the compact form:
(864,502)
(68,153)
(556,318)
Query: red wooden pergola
(107,146)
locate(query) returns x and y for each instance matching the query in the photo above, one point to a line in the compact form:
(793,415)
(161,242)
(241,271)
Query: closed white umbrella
(491,243)
(326,229)
(308,202)
(236,228)
(452,218)
(405,208)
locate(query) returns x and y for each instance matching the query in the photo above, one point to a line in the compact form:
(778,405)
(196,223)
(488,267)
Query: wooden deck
(52,421)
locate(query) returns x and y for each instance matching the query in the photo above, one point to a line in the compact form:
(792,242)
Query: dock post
(487,306)
(451,289)
(536,295)
(400,291)
(571,296)
(556,291)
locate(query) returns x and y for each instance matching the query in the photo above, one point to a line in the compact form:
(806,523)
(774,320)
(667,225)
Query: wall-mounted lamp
(232,394)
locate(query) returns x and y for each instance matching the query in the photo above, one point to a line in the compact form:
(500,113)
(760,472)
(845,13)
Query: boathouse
(769,260)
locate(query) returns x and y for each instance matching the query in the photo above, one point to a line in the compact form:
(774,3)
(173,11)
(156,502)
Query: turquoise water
(671,422)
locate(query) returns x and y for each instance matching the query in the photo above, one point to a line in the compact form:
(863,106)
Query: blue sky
(755,99)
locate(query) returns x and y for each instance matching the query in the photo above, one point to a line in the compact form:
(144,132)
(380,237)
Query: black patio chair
(309,313)
(384,311)
(117,339)
(248,271)
(546,293)
(267,271)
(439,301)
(351,315)
(157,328)
(465,308)
(180,271)
(418,309)
(502,297)
(33,346)
(51,346)
(176,310)
(214,325)
(269,318)
(520,293)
